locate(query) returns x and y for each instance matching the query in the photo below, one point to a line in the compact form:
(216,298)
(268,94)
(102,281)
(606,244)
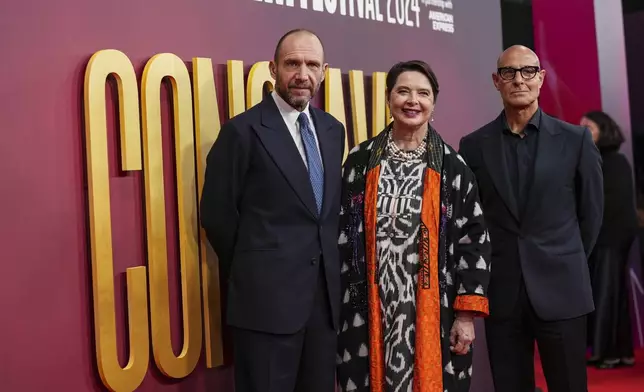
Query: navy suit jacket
(259,214)
(547,244)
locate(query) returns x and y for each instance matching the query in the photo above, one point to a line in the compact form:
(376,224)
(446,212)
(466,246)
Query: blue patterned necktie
(316,173)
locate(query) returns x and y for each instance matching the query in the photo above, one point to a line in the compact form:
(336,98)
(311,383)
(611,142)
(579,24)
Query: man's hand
(462,334)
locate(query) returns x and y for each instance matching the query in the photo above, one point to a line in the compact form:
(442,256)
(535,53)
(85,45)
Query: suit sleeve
(343,164)
(226,167)
(589,192)
(472,249)
(462,149)
(342,138)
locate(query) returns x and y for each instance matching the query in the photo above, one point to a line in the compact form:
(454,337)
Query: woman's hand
(462,334)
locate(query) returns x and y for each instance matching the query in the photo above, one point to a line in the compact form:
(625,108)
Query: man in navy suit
(541,185)
(270,208)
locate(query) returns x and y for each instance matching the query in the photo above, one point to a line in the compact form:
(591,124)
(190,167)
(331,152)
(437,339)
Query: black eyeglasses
(527,73)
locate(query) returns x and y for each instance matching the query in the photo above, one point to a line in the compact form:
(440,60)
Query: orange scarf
(428,372)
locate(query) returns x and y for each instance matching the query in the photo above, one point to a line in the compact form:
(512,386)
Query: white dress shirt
(290,115)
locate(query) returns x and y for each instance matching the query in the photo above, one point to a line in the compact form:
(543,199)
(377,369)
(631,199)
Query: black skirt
(609,326)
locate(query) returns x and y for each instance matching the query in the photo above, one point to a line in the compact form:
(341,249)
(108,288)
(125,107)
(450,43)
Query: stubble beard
(296,102)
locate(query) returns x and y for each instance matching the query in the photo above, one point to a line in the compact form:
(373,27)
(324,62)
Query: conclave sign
(408,13)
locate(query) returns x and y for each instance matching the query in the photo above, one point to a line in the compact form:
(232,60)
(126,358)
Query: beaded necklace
(395,151)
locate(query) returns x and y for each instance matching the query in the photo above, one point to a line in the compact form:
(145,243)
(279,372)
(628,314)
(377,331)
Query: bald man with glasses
(541,188)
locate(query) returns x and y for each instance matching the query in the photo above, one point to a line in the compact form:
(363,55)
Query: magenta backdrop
(45,287)
(564,38)
(582,48)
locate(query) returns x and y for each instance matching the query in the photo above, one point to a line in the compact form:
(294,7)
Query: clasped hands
(462,333)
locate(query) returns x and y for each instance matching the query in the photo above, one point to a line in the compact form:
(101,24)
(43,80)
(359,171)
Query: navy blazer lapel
(279,143)
(494,157)
(330,149)
(549,148)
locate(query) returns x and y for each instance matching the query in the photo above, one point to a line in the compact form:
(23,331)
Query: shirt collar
(534,122)
(288,112)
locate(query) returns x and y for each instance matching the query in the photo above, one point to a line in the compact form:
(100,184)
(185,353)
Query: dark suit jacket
(548,243)
(259,213)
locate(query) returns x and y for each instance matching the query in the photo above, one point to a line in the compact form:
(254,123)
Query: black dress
(609,328)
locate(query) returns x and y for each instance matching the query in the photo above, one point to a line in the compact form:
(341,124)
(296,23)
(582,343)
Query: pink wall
(581,45)
(564,36)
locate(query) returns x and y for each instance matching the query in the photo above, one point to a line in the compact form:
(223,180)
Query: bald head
(519,77)
(292,35)
(517,53)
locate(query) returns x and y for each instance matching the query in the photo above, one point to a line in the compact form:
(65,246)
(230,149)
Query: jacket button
(313,261)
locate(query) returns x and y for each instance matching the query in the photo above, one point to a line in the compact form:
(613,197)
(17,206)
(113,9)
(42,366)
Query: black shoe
(608,364)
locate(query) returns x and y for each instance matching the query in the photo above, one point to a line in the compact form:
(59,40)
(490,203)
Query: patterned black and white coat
(454,256)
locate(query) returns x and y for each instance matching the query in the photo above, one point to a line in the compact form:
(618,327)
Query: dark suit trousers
(300,362)
(561,344)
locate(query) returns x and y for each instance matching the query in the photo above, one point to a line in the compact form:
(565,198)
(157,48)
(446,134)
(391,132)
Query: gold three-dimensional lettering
(114,377)
(159,67)
(358,109)
(207,125)
(235,78)
(378,102)
(258,76)
(334,101)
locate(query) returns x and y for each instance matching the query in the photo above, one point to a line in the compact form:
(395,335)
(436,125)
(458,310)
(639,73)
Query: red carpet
(612,380)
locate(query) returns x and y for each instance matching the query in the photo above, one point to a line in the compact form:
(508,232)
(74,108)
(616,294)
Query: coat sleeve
(471,246)
(226,166)
(590,192)
(346,231)
(343,235)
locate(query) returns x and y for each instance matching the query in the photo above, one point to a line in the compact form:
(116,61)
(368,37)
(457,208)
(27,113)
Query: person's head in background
(606,133)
